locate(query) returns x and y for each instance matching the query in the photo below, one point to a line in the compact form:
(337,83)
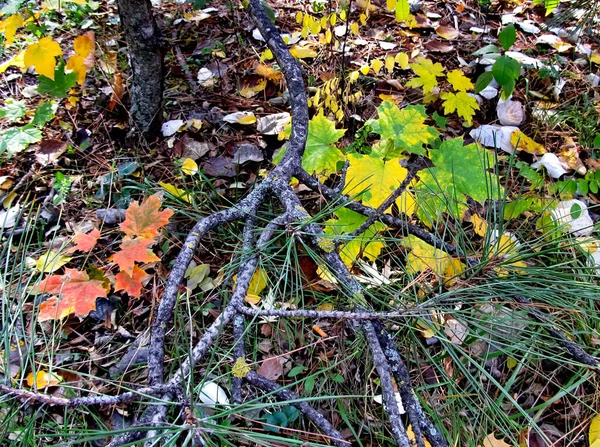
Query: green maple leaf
(427,73)
(320,155)
(43,113)
(17,139)
(459,171)
(60,85)
(464,105)
(369,243)
(406,128)
(372,179)
(13,110)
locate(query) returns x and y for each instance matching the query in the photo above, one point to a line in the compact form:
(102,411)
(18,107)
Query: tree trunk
(146,57)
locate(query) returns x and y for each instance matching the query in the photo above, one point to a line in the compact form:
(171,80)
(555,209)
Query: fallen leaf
(189,167)
(212,394)
(144,220)
(176,192)
(171,127)
(447,32)
(132,285)
(50,262)
(491,441)
(132,251)
(271,368)
(240,118)
(49,151)
(77,294)
(117,92)
(85,242)
(302,52)
(43,379)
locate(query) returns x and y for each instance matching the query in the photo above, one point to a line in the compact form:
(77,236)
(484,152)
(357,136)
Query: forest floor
(522,201)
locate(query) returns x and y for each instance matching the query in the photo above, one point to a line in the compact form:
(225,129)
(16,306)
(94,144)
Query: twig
(572,348)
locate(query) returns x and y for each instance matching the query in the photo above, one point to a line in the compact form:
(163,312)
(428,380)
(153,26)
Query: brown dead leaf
(271,368)
(447,32)
(49,151)
(117,91)
(438,46)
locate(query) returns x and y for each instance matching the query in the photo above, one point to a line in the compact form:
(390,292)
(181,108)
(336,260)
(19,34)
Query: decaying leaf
(43,379)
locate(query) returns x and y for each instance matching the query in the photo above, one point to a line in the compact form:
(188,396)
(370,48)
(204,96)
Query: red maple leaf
(77,294)
(145,220)
(85,242)
(131,284)
(134,250)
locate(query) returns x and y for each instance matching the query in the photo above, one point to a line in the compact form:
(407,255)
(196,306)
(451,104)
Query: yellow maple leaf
(83,59)
(10,25)
(459,81)
(464,105)
(424,256)
(375,179)
(427,73)
(42,56)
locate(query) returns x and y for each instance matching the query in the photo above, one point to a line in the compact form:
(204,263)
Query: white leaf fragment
(8,218)
(273,124)
(235,117)
(552,164)
(171,127)
(490,135)
(379,399)
(510,113)
(212,394)
(573,216)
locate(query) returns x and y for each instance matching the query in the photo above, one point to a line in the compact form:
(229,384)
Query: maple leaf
(369,243)
(131,284)
(464,104)
(459,171)
(406,128)
(83,59)
(459,81)
(321,156)
(132,251)
(77,294)
(85,242)
(424,256)
(60,84)
(145,220)
(10,25)
(378,179)
(42,56)
(427,73)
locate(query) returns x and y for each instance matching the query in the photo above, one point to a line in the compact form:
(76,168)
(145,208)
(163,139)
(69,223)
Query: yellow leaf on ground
(268,72)
(302,52)
(389,63)
(17,61)
(50,262)
(175,191)
(402,60)
(43,379)
(523,143)
(42,56)
(83,59)
(189,167)
(249,91)
(459,81)
(595,431)
(10,25)
(424,256)
(480,225)
(491,441)
(240,368)
(411,436)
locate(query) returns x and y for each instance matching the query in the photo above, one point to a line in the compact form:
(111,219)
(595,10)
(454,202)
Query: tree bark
(144,40)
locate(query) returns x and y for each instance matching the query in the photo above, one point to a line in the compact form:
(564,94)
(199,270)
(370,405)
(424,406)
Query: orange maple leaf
(131,284)
(77,293)
(85,242)
(134,250)
(144,220)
